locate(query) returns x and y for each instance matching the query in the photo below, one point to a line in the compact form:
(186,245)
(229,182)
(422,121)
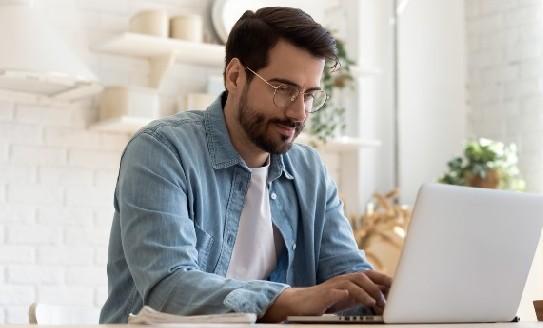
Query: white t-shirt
(254,255)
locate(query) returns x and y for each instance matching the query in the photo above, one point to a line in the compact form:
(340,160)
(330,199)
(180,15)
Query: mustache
(288,123)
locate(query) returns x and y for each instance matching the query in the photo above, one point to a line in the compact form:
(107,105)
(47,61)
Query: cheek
(261,100)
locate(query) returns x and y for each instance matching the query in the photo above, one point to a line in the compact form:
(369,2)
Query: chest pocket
(204,242)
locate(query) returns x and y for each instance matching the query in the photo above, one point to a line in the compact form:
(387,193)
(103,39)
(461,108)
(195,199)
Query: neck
(251,154)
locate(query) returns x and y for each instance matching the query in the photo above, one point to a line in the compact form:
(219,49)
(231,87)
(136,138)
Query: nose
(296,111)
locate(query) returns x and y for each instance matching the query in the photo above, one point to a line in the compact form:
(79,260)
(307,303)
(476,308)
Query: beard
(256,125)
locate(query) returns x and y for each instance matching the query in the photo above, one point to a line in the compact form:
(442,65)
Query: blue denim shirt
(178,200)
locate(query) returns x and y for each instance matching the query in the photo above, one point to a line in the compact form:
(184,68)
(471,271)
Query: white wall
(431,90)
(57,176)
(505,67)
(375,119)
(505,63)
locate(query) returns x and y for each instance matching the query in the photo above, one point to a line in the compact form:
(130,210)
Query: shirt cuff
(255,297)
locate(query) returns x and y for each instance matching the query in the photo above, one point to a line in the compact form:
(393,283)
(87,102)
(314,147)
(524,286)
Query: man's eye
(309,96)
(281,87)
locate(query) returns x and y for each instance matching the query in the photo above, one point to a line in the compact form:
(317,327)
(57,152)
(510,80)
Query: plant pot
(491,180)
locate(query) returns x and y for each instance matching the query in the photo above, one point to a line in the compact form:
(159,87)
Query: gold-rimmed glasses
(285,94)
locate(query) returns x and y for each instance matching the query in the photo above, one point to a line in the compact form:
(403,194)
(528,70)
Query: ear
(235,76)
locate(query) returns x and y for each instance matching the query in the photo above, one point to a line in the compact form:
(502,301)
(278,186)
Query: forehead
(294,64)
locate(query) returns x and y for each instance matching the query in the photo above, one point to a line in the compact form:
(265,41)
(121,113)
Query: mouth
(287,131)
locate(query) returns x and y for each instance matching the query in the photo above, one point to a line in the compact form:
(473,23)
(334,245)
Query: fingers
(360,295)
(372,289)
(378,310)
(384,290)
(379,278)
(367,288)
(334,297)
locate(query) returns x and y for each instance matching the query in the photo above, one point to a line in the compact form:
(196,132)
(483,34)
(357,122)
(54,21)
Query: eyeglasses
(284,95)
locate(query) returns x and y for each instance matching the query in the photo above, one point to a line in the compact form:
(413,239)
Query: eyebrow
(285,81)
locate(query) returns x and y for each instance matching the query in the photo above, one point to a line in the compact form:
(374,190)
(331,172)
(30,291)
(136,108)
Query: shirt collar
(220,148)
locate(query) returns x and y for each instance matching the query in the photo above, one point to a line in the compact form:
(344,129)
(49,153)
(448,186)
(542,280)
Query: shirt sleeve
(339,253)
(159,238)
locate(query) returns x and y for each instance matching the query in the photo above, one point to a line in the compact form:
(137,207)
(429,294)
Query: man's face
(271,128)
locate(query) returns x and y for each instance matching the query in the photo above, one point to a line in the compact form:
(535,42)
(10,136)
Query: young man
(219,211)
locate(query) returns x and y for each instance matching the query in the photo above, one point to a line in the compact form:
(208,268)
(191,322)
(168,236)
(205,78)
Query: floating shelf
(146,46)
(365,71)
(124,124)
(46,100)
(44,89)
(163,53)
(340,144)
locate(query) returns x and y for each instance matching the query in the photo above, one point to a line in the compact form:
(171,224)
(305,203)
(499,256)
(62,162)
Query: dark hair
(255,33)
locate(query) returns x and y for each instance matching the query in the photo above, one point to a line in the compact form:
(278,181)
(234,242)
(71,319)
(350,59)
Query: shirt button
(294,246)
(273,196)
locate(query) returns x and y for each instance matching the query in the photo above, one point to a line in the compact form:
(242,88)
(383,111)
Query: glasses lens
(285,95)
(314,100)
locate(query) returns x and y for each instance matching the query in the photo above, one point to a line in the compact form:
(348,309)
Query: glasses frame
(292,99)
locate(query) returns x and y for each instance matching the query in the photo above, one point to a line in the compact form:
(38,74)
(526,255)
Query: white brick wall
(17,255)
(505,84)
(505,69)
(57,176)
(49,275)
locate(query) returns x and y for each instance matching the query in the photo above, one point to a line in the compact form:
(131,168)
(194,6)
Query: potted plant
(485,164)
(330,120)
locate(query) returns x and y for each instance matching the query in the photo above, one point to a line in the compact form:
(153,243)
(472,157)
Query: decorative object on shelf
(218,20)
(381,230)
(225,13)
(36,65)
(485,164)
(151,22)
(129,102)
(187,27)
(329,122)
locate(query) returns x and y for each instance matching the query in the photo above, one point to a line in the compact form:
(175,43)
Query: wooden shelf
(146,46)
(162,53)
(64,99)
(340,144)
(365,71)
(124,124)
(41,89)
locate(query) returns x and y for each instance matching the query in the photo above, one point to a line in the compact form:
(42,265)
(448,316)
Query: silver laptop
(466,258)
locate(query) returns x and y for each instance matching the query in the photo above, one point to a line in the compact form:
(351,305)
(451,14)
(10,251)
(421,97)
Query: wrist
(281,307)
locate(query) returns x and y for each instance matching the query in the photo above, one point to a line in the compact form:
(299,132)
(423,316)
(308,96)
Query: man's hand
(368,288)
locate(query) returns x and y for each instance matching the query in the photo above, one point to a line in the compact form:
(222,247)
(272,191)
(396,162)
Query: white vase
(151,22)
(187,27)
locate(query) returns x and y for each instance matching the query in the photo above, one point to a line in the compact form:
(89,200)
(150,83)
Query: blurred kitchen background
(78,77)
